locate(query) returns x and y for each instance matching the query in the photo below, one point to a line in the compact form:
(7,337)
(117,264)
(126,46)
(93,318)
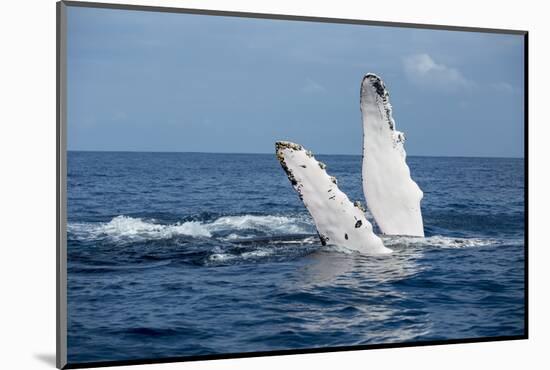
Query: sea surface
(179,254)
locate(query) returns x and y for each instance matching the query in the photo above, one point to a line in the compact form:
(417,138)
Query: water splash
(129,229)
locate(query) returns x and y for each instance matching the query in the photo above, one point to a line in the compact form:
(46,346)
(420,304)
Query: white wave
(273,224)
(438,241)
(133,229)
(225,257)
(258,253)
(221,257)
(307,240)
(125,228)
(234,236)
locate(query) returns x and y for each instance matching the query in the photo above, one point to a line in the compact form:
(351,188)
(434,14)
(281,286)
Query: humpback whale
(338,221)
(392,196)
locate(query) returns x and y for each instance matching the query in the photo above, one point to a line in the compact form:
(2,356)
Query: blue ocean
(183,254)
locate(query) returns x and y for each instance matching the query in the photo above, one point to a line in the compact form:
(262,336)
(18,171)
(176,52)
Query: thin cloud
(312,87)
(423,70)
(119,116)
(504,87)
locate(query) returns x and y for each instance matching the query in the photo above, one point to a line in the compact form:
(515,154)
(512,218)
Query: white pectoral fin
(338,221)
(392,196)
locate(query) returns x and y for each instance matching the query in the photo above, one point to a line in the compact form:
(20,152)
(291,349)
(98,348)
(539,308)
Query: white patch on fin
(338,221)
(392,196)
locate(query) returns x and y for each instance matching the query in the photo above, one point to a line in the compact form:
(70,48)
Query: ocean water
(179,254)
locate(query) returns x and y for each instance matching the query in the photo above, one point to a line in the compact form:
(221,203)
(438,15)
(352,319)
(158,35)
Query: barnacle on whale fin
(383,95)
(359,205)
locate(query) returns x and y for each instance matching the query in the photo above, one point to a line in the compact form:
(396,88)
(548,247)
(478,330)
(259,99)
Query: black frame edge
(526,179)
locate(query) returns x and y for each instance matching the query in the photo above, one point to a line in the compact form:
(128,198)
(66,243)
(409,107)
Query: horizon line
(268,153)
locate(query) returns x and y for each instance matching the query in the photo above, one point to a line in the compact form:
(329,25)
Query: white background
(27,162)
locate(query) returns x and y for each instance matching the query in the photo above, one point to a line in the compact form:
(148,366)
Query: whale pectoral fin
(338,221)
(392,196)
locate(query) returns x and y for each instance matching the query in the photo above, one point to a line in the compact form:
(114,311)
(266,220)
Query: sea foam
(439,241)
(125,229)
(129,229)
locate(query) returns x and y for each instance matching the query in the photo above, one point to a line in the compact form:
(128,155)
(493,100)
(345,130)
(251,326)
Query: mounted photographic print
(235,184)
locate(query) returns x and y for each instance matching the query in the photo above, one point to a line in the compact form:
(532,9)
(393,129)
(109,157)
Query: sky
(149,81)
